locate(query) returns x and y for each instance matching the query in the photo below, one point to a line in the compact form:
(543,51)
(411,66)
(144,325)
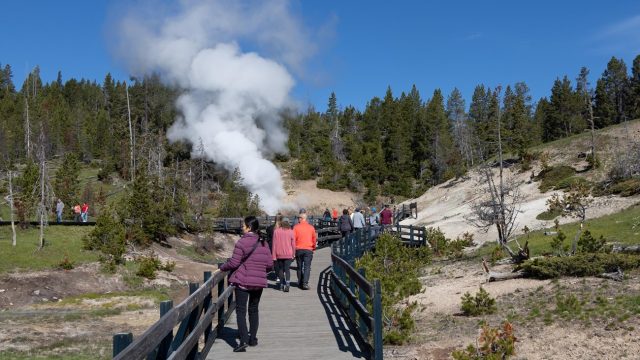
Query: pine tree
(612,93)
(65,183)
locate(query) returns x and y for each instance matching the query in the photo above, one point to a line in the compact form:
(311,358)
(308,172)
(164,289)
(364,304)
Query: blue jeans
(58,217)
(84,216)
(303,262)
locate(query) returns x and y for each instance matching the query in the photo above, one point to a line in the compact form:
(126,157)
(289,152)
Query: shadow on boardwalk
(345,334)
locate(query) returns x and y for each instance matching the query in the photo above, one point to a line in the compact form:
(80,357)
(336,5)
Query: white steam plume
(231,98)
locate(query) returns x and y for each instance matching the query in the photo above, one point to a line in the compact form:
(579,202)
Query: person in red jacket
(251,259)
(306,242)
(283,250)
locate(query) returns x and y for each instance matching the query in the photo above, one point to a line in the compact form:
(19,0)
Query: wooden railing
(195,317)
(360,299)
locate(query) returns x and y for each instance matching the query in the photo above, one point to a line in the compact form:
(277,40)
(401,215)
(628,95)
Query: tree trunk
(133,164)
(13,225)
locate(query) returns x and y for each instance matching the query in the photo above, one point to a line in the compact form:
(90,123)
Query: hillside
(448,205)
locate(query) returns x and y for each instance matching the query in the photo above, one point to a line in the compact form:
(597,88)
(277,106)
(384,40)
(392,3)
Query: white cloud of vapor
(231,96)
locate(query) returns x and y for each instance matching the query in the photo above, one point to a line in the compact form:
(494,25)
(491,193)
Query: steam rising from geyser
(232,98)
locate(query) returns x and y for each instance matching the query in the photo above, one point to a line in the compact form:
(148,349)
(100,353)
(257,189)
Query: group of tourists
(255,256)
(81,212)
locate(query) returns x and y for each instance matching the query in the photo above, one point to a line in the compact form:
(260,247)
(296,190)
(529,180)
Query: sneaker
(305,287)
(286,288)
(253,342)
(242,347)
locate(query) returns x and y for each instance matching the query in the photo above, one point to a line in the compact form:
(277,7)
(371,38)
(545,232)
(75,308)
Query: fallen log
(616,276)
(500,276)
(626,249)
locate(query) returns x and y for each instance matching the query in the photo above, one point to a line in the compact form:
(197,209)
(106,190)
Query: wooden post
(411,235)
(120,342)
(163,349)
(207,303)
(363,299)
(377,320)
(424,236)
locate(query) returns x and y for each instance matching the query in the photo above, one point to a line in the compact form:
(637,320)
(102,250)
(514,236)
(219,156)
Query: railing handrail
(194,314)
(345,279)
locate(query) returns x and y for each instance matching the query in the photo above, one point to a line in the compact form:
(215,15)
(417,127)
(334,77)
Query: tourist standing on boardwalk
(59,208)
(345,225)
(76,210)
(306,242)
(374,222)
(84,214)
(386,218)
(334,214)
(284,250)
(327,215)
(251,260)
(358,220)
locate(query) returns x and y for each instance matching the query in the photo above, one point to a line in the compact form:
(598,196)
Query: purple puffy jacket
(252,273)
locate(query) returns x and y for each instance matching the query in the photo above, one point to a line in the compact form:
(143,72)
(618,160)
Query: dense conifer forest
(400,144)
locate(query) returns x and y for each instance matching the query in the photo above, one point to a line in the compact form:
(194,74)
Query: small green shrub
(557,242)
(398,268)
(572,182)
(551,177)
(589,244)
(549,215)
(480,304)
(581,264)
(493,344)
(66,264)
(148,265)
(442,246)
(496,254)
(627,187)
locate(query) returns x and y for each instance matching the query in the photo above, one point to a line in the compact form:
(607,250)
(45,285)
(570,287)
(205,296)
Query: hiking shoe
(286,288)
(240,348)
(305,287)
(253,342)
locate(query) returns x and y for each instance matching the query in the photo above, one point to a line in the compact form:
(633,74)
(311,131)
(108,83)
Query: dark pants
(345,233)
(303,261)
(282,268)
(253,298)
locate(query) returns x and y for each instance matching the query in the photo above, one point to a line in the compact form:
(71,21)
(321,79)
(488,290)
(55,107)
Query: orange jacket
(305,235)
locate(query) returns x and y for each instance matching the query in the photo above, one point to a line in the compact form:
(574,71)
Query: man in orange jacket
(306,241)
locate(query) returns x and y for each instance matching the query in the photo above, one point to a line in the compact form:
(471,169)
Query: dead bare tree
(9,199)
(131,143)
(46,193)
(499,202)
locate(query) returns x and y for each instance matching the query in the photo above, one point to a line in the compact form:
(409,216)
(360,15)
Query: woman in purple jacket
(251,259)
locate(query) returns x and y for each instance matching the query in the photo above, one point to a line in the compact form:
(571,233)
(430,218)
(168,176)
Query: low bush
(627,187)
(581,264)
(552,176)
(66,264)
(148,265)
(442,246)
(589,244)
(398,268)
(572,182)
(493,344)
(480,304)
(549,215)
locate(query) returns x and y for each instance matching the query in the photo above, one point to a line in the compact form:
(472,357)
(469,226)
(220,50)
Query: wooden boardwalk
(301,324)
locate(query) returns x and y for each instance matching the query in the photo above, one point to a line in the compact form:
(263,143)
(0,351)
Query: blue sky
(366,46)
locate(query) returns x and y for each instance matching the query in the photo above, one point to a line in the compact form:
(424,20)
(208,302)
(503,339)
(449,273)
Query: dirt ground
(35,320)
(442,328)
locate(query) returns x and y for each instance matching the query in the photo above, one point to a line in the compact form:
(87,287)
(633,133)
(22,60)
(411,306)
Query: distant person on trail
(76,211)
(327,215)
(358,220)
(284,250)
(386,217)
(84,212)
(345,225)
(334,214)
(59,208)
(306,242)
(302,211)
(374,218)
(251,260)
